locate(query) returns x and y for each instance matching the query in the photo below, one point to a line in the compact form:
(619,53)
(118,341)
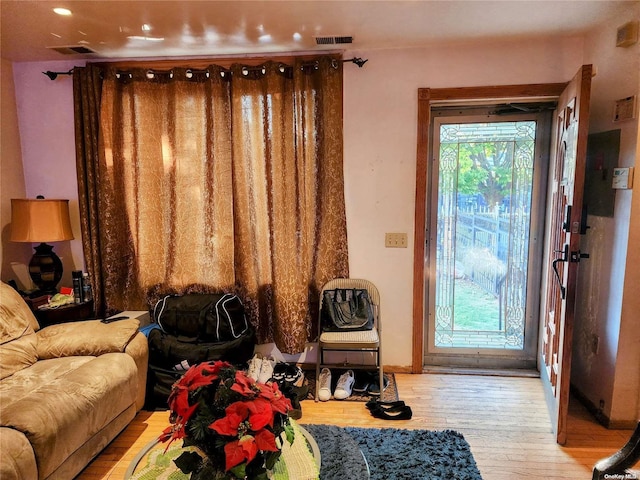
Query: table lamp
(42,220)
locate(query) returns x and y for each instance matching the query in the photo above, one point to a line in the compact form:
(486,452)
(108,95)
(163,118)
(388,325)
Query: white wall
(609,279)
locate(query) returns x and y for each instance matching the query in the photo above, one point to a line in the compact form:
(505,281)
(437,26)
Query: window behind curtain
(229,182)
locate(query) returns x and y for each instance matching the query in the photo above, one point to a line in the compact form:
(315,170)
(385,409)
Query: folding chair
(360,341)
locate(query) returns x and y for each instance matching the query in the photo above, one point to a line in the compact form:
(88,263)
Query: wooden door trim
(427,96)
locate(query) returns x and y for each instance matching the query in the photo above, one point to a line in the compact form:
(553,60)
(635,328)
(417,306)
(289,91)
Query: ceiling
(114,29)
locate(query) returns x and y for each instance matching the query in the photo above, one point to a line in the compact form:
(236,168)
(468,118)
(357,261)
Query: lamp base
(45,269)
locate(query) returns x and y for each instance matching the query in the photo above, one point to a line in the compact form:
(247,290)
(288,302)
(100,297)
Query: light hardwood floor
(504,419)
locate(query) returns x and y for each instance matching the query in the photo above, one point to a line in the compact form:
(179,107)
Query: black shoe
(400,412)
(375,403)
(374,389)
(363,380)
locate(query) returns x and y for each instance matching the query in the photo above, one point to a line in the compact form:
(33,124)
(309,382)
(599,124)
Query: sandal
(399,412)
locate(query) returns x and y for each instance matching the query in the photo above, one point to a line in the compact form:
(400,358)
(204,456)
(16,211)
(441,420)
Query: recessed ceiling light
(264,38)
(146,27)
(62,11)
(297,37)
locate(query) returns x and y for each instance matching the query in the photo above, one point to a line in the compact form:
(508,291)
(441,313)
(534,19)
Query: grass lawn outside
(474,308)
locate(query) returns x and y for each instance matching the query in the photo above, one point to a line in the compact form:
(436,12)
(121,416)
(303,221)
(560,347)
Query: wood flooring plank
(504,419)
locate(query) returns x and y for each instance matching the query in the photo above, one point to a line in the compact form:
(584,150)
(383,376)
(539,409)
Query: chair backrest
(357,283)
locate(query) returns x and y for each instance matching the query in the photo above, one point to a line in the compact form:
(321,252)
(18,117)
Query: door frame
(426,97)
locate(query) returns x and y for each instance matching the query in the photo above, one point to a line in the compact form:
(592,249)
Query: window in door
(487,180)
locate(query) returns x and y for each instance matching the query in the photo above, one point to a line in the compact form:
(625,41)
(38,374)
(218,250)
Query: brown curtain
(87,91)
(226,180)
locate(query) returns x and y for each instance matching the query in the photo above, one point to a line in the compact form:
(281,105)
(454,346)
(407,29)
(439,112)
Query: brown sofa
(66,390)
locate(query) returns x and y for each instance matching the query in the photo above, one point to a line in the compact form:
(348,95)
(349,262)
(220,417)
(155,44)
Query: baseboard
(515,372)
(597,412)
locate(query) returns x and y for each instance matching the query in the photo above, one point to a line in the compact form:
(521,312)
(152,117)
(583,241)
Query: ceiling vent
(72,49)
(334,40)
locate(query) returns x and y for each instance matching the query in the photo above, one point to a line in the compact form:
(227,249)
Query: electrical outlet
(395,240)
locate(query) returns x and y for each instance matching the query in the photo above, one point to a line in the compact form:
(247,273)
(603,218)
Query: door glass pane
(483,215)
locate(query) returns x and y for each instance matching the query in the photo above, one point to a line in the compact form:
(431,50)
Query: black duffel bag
(170,356)
(202,317)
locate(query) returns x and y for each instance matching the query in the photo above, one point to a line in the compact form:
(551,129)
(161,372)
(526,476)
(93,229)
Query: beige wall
(609,279)
(13,256)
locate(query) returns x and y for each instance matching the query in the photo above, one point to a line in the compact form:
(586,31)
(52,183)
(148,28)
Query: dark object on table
(113,319)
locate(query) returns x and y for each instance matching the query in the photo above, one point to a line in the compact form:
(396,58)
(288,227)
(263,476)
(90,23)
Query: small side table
(72,312)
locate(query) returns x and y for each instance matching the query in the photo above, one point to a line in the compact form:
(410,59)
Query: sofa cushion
(60,403)
(17,338)
(90,337)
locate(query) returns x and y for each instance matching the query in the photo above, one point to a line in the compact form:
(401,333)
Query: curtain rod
(355,60)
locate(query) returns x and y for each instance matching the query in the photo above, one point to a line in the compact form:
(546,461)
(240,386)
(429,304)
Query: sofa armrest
(18,460)
(138,349)
(89,337)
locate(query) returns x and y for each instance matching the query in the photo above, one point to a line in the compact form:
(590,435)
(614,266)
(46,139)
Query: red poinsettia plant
(235,422)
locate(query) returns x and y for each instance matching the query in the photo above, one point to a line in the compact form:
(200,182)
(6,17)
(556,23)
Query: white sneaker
(324,385)
(255,364)
(345,385)
(266,369)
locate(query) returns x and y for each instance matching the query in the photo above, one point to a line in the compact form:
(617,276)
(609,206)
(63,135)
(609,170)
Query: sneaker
(255,364)
(266,370)
(374,388)
(324,385)
(363,380)
(345,385)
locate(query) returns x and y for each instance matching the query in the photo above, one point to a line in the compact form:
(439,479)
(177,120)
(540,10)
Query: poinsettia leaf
(233,454)
(188,462)
(249,447)
(260,414)
(290,432)
(270,459)
(240,471)
(266,441)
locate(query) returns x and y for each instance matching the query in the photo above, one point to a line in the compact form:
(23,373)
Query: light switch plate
(395,240)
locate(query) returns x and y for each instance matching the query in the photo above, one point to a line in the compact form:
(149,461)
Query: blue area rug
(393,454)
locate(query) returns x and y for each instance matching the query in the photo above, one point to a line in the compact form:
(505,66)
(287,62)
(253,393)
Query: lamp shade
(40,220)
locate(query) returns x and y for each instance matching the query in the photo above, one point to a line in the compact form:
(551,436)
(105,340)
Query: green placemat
(300,461)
